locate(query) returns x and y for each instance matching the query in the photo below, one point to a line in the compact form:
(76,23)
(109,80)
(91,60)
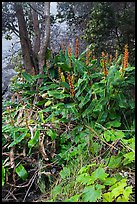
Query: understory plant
(80,121)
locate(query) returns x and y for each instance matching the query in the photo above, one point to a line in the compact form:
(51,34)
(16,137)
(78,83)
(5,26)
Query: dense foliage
(112,25)
(74,134)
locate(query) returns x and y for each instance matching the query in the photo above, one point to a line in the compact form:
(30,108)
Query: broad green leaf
(51,133)
(122,199)
(117,191)
(65,84)
(48,87)
(90,194)
(85,179)
(90,108)
(73,198)
(107,135)
(21,171)
(114,162)
(18,139)
(57,94)
(99,173)
(3,175)
(127,191)
(81,88)
(121,184)
(114,123)
(119,134)
(84,169)
(34,140)
(107,197)
(109,181)
(129,157)
(86,99)
(27,76)
(56,190)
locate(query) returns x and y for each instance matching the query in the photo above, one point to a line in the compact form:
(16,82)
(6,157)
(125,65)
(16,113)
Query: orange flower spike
(125,63)
(104,67)
(59,73)
(69,50)
(110,60)
(106,58)
(63,48)
(77,48)
(71,85)
(103,54)
(69,54)
(88,53)
(122,69)
(116,54)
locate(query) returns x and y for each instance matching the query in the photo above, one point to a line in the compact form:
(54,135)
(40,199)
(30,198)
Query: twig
(11,194)
(110,145)
(32,181)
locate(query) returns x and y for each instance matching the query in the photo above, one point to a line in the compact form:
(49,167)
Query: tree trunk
(45,40)
(36,43)
(27,52)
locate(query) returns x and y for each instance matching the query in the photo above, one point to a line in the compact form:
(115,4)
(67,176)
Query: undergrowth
(73,137)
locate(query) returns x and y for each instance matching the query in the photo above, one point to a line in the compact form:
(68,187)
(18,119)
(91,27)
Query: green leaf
(99,173)
(85,179)
(107,135)
(47,103)
(65,84)
(119,135)
(51,133)
(127,191)
(18,139)
(109,181)
(27,76)
(42,186)
(107,197)
(41,116)
(56,190)
(86,99)
(65,173)
(114,162)
(51,86)
(57,94)
(129,157)
(90,194)
(34,140)
(121,184)
(73,198)
(122,199)
(21,171)
(114,123)
(3,175)
(84,169)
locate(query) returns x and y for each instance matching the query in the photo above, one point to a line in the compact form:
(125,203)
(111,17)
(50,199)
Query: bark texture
(36,43)
(27,52)
(45,39)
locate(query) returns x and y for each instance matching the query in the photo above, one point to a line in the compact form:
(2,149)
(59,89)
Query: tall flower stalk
(105,70)
(88,53)
(71,85)
(69,54)
(77,48)
(63,48)
(125,60)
